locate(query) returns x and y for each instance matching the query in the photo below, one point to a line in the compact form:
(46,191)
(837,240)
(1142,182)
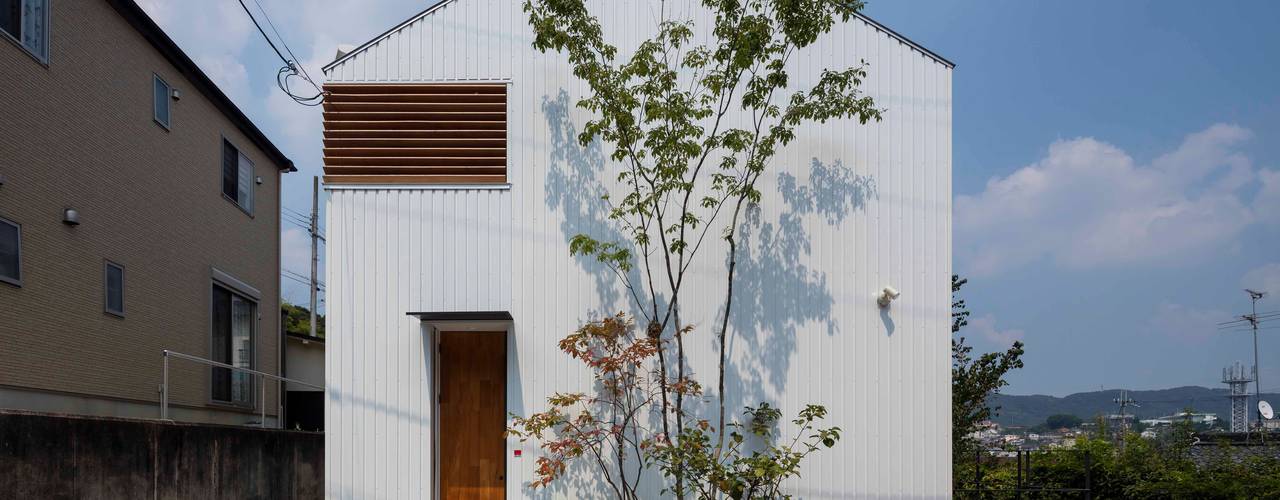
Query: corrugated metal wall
(852,209)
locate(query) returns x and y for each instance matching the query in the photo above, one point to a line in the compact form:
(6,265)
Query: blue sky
(1117,167)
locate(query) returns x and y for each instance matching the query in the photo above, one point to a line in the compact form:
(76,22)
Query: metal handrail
(164,383)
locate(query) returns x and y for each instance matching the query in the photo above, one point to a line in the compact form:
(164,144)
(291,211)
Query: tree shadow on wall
(776,291)
(575,182)
(574,187)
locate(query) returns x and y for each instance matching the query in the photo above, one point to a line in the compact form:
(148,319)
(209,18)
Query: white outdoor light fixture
(71,217)
(887,295)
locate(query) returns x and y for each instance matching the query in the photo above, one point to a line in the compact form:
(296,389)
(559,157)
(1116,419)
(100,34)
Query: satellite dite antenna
(1265,409)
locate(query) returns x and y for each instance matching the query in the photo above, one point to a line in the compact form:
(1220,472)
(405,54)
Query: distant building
(1195,418)
(304,361)
(139,211)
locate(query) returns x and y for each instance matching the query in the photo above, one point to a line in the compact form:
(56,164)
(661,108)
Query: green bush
(1140,468)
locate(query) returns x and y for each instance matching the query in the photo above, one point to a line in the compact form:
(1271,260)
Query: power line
(287,276)
(291,65)
(299,276)
(293,212)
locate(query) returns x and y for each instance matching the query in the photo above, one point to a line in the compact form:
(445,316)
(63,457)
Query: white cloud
(202,28)
(1267,202)
(1187,324)
(230,76)
(1265,278)
(1088,204)
(985,326)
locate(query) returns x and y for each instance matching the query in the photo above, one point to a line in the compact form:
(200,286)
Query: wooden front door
(473,392)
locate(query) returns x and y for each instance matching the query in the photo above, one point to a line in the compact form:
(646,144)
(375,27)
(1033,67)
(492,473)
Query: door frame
(437,331)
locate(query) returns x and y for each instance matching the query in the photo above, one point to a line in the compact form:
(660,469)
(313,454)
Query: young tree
(973,380)
(691,124)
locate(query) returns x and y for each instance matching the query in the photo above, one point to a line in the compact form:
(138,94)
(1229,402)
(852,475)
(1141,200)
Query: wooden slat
(424,161)
(415,125)
(500,152)
(416,134)
(469,107)
(415,179)
(459,116)
(417,97)
(393,142)
(455,131)
(411,88)
(413,169)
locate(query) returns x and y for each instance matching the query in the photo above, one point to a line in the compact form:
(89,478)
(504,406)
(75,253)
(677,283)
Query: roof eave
(865,18)
(179,59)
(933,55)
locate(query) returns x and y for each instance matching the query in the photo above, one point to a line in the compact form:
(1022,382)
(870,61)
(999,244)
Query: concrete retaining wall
(64,457)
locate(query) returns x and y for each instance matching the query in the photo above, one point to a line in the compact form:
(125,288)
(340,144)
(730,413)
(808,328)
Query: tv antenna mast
(1250,322)
(1124,401)
(1236,378)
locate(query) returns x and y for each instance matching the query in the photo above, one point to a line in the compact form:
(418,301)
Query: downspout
(281,387)
(280,340)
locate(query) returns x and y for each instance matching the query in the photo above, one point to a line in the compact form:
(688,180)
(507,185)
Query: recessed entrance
(473,389)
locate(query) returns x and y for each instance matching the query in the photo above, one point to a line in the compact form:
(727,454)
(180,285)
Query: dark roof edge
(376,39)
(462,315)
(867,19)
(179,59)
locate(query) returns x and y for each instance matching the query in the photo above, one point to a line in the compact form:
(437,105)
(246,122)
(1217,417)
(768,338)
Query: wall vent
(415,133)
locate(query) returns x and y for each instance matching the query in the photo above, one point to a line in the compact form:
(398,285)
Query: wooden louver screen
(415,133)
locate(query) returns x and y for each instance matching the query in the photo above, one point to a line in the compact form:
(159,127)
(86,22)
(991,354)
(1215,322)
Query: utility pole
(315,242)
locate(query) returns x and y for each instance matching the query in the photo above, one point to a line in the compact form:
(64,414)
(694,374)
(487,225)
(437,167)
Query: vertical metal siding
(393,251)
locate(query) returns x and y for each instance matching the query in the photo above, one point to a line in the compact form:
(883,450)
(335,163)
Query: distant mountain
(1033,409)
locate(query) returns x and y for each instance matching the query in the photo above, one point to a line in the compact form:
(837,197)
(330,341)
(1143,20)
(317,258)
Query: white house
(449,284)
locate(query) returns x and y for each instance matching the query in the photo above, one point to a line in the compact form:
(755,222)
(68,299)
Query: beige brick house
(139,211)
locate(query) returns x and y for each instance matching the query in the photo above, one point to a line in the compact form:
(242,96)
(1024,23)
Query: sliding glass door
(232,343)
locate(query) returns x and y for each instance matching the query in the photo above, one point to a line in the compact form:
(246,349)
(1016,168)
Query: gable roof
(149,30)
(429,10)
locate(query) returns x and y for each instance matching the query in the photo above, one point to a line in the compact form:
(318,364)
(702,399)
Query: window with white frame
(237,176)
(113,288)
(27,22)
(10,252)
(232,343)
(160,97)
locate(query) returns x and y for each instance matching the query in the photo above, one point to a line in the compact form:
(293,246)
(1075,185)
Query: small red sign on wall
(518,453)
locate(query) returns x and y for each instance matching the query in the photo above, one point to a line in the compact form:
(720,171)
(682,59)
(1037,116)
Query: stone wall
(63,457)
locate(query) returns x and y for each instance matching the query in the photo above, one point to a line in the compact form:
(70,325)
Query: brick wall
(79,133)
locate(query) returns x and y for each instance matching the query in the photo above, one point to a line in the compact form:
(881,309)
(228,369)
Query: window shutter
(10,252)
(230,170)
(244,188)
(160,96)
(34,36)
(415,133)
(221,343)
(115,288)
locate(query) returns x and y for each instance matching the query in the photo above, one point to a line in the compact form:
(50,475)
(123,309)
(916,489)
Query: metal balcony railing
(164,383)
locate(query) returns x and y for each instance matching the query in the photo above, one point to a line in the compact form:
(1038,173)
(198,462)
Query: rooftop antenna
(1124,401)
(1252,320)
(1235,378)
(1252,317)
